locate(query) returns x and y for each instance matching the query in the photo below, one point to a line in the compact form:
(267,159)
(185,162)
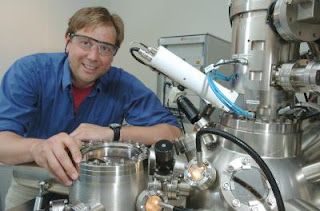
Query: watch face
(115,125)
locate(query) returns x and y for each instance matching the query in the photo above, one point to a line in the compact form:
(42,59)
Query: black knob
(164,156)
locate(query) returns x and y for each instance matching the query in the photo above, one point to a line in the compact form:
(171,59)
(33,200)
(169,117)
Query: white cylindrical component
(188,76)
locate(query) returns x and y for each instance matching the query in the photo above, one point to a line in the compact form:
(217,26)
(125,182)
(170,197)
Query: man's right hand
(53,155)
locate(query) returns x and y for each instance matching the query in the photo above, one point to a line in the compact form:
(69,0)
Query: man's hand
(90,132)
(53,154)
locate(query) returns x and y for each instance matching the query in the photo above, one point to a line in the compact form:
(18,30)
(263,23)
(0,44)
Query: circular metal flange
(112,158)
(113,153)
(244,187)
(200,177)
(289,27)
(150,198)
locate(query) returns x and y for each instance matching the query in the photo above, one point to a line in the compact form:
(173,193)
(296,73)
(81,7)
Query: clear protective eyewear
(87,43)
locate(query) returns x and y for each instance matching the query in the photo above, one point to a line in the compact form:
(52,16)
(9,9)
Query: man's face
(88,65)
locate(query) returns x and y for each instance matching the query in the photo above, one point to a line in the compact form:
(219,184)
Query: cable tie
(209,68)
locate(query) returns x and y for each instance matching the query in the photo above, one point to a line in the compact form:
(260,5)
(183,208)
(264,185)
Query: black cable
(198,141)
(143,45)
(248,187)
(175,208)
(164,92)
(230,21)
(306,108)
(310,115)
(180,117)
(181,120)
(305,96)
(234,61)
(270,20)
(136,49)
(253,154)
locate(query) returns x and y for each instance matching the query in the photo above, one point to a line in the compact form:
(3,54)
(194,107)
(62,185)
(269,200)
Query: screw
(236,203)
(226,186)
(245,161)
(230,169)
(271,200)
(255,208)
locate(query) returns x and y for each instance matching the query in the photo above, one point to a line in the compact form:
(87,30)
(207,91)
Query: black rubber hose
(198,143)
(136,49)
(270,19)
(253,154)
(181,209)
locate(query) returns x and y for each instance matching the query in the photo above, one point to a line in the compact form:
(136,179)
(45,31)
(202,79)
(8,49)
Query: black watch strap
(116,131)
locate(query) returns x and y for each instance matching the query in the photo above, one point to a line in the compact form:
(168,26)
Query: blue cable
(226,101)
(231,106)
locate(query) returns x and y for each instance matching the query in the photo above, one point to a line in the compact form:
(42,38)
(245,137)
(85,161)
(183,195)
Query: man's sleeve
(144,108)
(17,98)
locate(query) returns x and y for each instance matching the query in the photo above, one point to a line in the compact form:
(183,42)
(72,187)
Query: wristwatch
(116,131)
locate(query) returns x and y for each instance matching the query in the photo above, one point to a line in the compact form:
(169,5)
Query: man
(49,103)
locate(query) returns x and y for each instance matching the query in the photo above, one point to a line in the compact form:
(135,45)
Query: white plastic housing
(189,77)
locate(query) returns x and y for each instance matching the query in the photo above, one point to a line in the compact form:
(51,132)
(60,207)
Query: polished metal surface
(255,41)
(200,176)
(299,205)
(268,138)
(230,164)
(29,175)
(244,186)
(149,199)
(311,142)
(312,154)
(302,76)
(312,172)
(267,83)
(290,23)
(27,206)
(111,173)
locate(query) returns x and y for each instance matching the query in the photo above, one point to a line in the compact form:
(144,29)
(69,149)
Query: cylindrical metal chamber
(280,138)
(254,40)
(241,183)
(113,174)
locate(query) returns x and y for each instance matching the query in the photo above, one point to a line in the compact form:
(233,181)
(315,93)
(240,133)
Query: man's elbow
(175,132)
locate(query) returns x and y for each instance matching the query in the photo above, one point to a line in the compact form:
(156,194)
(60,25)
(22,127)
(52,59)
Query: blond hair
(94,17)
